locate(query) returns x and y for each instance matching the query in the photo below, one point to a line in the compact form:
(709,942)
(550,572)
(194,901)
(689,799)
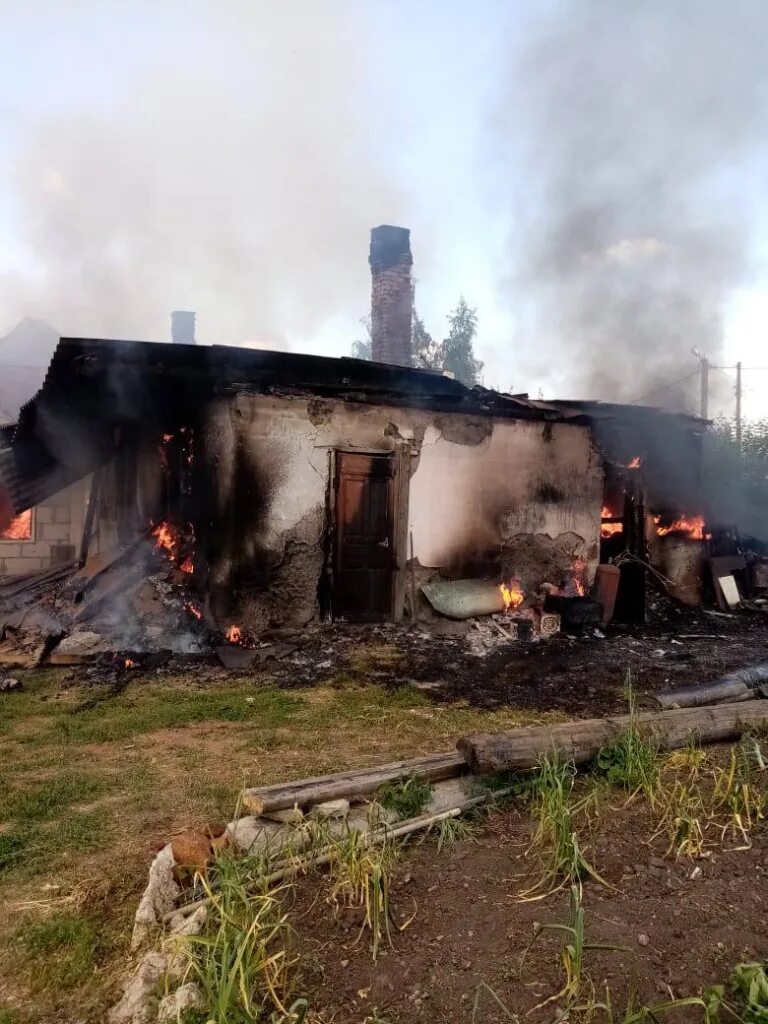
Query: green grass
(46,800)
(13,848)
(60,952)
(153,708)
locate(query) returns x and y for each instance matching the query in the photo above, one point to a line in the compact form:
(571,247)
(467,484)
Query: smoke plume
(240,179)
(642,130)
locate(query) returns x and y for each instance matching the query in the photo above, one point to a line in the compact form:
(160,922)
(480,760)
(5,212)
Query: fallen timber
(741,684)
(360,783)
(581,741)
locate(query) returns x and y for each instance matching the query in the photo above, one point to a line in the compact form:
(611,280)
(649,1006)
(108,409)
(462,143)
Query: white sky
(231,157)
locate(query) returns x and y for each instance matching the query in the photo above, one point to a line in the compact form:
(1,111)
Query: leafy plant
(749,982)
(485,988)
(240,961)
(736,793)
(361,873)
(454,830)
(572,951)
(407,797)
(646,1013)
(553,809)
(632,761)
(684,819)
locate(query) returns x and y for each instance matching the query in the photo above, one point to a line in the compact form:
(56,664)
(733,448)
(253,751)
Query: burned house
(285,488)
(296,486)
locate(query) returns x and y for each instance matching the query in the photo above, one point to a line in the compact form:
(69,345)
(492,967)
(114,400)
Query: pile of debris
(116,607)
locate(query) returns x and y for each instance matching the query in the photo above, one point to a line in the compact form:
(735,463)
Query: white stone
(159,896)
(139,1002)
(186,997)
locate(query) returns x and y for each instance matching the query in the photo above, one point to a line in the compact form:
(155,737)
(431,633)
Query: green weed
(406,798)
(632,761)
(241,960)
(454,830)
(553,809)
(485,989)
(736,793)
(360,872)
(572,951)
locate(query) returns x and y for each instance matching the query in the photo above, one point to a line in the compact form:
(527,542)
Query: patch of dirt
(678,932)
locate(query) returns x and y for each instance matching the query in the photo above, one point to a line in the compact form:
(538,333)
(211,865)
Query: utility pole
(738,406)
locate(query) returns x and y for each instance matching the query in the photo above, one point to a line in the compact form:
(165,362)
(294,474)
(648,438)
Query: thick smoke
(643,129)
(240,180)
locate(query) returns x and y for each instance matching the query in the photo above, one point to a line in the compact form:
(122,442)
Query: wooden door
(363,569)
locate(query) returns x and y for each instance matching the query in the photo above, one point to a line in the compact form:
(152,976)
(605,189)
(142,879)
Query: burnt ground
(683,926)
(579,675)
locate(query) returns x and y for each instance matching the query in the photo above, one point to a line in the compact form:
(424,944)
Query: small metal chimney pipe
(183,327)
(390,260)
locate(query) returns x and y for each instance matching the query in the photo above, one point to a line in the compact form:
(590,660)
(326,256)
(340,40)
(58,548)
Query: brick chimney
(183,327)
(391,295)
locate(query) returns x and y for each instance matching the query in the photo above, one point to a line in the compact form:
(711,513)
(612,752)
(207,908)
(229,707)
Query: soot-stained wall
(523,496)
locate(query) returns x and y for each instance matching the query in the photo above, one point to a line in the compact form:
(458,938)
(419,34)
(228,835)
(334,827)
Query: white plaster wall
(460,494)
(477,496)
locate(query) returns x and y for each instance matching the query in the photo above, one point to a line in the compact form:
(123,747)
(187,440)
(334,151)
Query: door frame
(399,457)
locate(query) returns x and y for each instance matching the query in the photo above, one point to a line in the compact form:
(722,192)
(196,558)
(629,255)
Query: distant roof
(94,386)
(604,410)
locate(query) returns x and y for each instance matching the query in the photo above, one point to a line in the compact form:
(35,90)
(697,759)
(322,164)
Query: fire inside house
(284,488)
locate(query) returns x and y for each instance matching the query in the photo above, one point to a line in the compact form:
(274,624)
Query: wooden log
(306,792)
(581,740)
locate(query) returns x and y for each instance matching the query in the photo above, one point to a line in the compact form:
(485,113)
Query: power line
(665,387)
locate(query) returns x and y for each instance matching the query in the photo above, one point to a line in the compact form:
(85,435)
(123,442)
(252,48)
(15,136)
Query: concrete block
(36,549)
(10,549)
(44,514)
(23,564)
(54,531)
(62,514)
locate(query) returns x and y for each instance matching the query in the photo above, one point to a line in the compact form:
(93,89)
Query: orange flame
(187,565)
(19,528)
(609,529)
(129,663)
(234,634)
(512,595)
(194,610)
(694,526)
(165,539)
(579,579)
(635,463)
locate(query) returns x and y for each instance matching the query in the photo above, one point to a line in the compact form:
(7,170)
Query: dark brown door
(362,582)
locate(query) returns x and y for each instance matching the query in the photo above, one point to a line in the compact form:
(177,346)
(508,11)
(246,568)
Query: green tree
(454,355)
(427,353)
(363,349)
(458,352)
(736,481)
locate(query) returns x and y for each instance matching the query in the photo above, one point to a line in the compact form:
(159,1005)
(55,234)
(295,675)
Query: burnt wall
(483,497)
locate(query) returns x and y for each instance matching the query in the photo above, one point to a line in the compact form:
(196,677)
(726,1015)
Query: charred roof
(96,387)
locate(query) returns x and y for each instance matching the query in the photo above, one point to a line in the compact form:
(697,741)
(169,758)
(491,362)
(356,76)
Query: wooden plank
(580,741)
(305,792)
